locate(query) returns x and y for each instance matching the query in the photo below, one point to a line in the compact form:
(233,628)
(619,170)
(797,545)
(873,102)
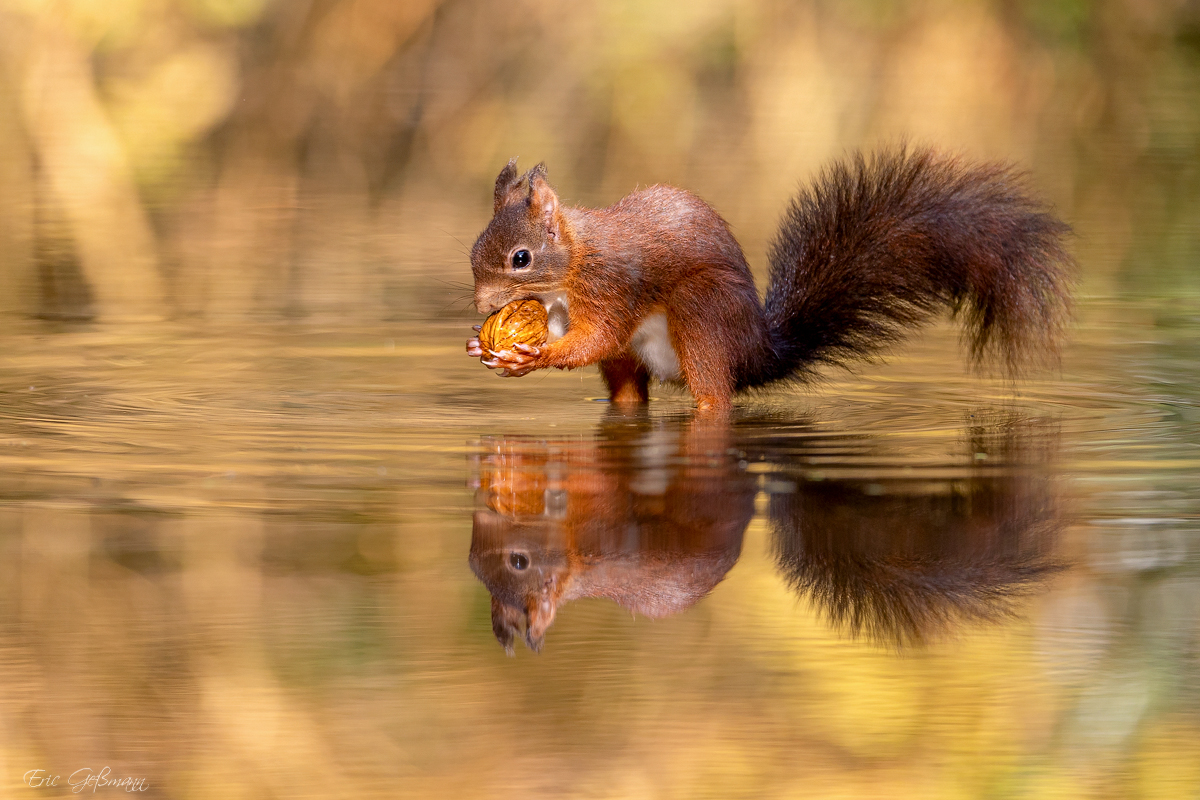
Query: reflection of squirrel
(632,520)
(656,285)
(901,561)
(652,517)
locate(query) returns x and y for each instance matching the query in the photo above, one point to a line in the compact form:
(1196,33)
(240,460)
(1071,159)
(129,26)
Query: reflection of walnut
(513,477)
(519,322)
(515,489)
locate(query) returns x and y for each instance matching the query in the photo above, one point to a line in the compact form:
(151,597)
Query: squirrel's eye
(521,259)
(519,561)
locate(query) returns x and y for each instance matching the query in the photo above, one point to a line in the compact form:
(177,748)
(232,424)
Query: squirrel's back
(669,227)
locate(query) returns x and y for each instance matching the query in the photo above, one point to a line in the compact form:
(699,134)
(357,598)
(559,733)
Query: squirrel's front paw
(474,348)
(514,363)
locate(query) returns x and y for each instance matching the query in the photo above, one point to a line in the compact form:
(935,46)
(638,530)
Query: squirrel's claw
(474,348)
(511,364)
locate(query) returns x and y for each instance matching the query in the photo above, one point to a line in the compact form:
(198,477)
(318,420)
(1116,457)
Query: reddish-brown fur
(872,249)
(653,552)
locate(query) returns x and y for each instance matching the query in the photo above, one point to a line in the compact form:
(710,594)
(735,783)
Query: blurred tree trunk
(88,176)
(16,214)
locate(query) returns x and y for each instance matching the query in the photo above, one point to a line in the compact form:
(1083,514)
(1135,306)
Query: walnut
(519,322)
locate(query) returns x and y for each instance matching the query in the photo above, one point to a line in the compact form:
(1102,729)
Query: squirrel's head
(525,250)
(526,572)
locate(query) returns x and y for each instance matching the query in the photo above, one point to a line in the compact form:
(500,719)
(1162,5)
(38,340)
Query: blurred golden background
(329,157)
(234,544)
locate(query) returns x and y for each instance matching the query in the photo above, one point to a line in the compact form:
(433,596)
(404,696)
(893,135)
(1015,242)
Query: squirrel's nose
(486,303)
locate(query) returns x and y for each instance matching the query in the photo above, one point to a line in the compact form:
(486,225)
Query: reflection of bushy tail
(903,567)
(877,246)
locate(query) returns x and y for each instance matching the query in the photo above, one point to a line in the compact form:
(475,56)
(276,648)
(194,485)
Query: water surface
(275,561)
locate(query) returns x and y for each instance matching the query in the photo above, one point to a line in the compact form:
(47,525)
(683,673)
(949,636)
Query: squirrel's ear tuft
(505,624)
(507,185)
(543,201)
(540,613)
(539,170)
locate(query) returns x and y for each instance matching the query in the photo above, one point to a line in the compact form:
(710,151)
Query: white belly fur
(650,341)
(652,344)
(557,320)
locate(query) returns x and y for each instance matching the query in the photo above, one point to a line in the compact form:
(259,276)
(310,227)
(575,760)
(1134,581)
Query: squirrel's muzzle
(487,301)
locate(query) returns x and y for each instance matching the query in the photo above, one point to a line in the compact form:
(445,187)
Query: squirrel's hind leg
(713,322)
(627,378)
(707,378)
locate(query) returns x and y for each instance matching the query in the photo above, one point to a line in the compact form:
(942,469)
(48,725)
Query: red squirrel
(656,285)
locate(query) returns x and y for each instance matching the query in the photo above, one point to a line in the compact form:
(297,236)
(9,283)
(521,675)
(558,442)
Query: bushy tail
(877,246)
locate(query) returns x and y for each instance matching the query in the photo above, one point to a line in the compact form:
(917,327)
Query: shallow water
(260,561)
